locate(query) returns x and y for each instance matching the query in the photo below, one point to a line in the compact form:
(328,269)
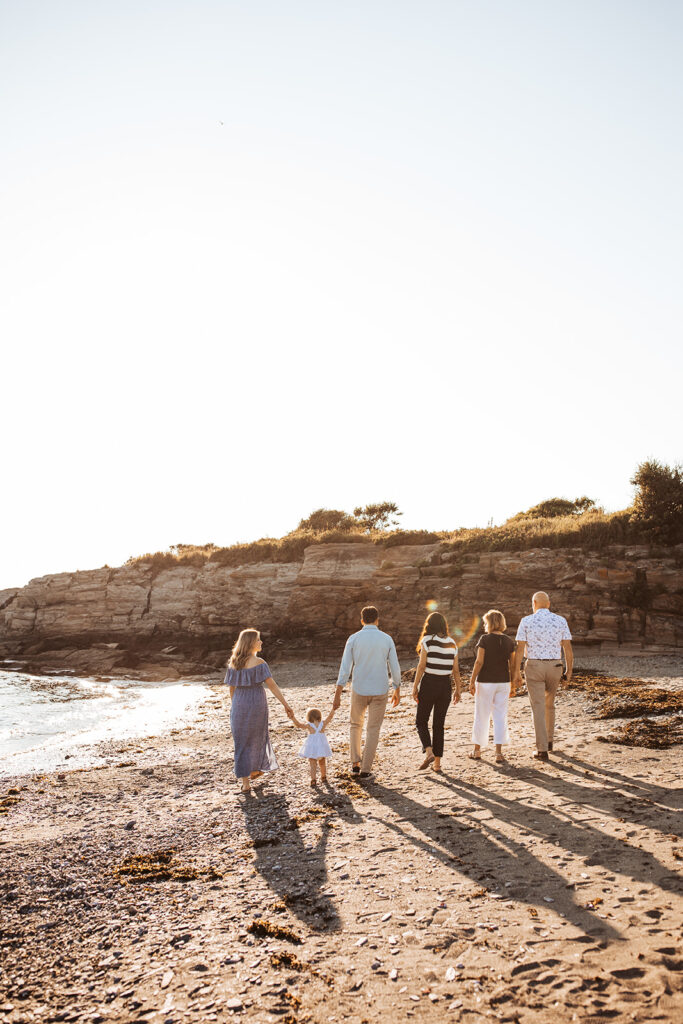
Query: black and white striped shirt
(441,654)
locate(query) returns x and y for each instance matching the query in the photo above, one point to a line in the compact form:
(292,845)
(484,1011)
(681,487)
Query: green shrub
(325,519)
(658,502)
(554,508)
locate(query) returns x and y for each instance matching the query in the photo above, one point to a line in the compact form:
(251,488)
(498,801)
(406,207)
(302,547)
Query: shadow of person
(638,789)
(609,798)
(485,844)
(293,866)
(558,826)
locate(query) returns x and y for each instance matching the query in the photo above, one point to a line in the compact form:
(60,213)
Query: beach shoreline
(530,893)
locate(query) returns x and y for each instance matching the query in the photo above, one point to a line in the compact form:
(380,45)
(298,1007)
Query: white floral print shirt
(543,632)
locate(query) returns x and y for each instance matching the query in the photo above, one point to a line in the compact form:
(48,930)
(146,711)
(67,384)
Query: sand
(519,893)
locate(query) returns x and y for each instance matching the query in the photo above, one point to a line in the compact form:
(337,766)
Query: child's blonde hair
(314,715)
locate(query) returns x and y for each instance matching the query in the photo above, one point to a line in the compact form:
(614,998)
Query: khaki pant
(375,707)
(543,681)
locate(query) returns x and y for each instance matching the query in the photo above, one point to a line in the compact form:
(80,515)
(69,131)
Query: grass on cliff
(593,529)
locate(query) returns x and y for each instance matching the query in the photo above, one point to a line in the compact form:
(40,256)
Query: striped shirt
(441,654)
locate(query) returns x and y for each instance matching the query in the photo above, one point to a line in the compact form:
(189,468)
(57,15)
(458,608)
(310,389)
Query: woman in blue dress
(246,676)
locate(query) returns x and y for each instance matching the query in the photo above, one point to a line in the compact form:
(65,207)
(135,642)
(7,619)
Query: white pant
(491,701)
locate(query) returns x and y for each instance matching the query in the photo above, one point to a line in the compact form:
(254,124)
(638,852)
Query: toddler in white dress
(316,746)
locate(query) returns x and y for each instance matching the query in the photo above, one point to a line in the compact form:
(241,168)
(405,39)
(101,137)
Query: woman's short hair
(314,715)
(245,645)
(434,625)
(494,621)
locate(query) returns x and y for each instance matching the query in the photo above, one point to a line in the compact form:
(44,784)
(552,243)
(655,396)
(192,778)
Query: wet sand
(519,893)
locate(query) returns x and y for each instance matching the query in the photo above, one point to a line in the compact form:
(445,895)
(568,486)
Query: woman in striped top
(437,676)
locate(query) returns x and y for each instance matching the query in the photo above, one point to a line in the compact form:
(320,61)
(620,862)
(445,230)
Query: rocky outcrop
(186,618)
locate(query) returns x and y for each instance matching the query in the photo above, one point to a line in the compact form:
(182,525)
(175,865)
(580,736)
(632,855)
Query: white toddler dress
(316,744)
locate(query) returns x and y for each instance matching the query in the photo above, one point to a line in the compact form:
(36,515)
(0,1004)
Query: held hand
(416,695)
(288,711)
(456,697)
(396,697)
(516,681)
(336,703)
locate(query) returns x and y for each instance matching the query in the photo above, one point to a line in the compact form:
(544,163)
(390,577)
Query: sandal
(500,759)
(474,757)
(426,763)
(255,775)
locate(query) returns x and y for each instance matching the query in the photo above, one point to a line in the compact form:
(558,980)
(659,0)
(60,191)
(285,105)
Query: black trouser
(435,695)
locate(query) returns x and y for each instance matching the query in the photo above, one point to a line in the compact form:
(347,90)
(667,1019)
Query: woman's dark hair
(434,625)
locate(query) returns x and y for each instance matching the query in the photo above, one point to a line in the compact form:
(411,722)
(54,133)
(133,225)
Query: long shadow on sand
(467,845)
(560,827)
(617,784)
(293,867)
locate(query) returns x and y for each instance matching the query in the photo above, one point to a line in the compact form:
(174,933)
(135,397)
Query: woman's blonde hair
(314,715)
(245,645)
(494,621)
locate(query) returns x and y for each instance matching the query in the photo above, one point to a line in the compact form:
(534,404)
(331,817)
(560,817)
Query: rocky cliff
(180,620)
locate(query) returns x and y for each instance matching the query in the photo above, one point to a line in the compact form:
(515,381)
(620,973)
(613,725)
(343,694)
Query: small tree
(379,516)
(658,502)
(584,504)
(323,519)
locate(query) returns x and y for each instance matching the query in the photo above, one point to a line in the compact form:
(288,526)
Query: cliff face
(187,618)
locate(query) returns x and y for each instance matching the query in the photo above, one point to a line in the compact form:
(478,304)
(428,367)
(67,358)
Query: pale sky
(267,256)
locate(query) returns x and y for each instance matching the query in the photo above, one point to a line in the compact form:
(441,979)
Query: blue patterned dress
(249,720)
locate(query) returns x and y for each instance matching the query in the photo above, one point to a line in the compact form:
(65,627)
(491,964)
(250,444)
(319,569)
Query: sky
(263,257)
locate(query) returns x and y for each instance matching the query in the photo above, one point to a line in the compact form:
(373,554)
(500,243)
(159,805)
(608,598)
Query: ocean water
(48,722)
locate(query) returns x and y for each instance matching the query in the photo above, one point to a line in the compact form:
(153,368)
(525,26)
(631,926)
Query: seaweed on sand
(8,801)
(290,962)
(262,928)
(637,700)
(641,701)
(646,733)
(161,866)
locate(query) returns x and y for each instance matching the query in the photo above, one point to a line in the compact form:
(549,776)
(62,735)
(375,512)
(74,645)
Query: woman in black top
(436,679)
(490,683)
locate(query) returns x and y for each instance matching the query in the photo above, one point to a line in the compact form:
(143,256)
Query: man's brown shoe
(541,755)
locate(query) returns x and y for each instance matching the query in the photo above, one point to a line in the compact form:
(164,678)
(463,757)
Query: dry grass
(592,530)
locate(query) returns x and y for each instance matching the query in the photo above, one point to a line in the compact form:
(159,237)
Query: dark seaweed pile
(637,700)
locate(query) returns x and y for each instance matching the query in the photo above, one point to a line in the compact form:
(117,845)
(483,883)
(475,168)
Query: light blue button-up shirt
(371,656)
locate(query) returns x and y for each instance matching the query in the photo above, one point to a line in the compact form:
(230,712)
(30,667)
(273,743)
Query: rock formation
(185,618)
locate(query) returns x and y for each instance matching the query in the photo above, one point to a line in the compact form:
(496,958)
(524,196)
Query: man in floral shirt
(545,636)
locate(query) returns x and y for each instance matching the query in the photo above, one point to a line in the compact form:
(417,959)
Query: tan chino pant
(543,682)
(375,707)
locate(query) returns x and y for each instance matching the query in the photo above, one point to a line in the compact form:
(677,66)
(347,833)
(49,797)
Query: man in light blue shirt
(370,656)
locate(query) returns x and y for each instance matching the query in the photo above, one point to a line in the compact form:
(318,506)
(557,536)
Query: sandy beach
(150,889)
